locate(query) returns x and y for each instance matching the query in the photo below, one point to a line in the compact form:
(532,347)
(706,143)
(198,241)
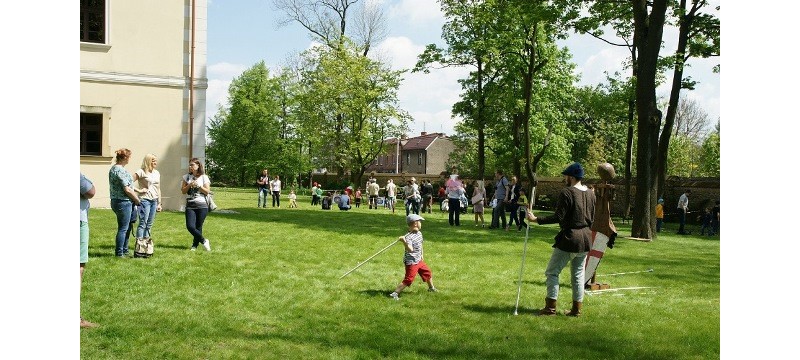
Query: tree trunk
(674,96)
(629,139)
(648,32)
(629,154)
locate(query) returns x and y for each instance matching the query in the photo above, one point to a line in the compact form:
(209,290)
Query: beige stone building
(138,59)
(424,154)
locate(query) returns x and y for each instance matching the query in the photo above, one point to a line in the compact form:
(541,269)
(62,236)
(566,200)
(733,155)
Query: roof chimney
(424,133)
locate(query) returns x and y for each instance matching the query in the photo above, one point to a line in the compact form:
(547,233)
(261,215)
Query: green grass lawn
(270,289)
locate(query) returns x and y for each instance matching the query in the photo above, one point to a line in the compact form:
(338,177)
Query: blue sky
(244,32)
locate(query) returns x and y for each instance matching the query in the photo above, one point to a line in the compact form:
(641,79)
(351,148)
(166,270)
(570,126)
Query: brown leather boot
(576,309)
(549,307)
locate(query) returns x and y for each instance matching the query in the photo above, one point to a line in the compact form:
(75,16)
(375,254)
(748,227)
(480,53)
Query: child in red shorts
(412,258)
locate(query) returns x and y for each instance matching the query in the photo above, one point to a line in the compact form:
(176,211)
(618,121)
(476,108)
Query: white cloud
(430,97)
(418,12)
(593,70)
(401,52)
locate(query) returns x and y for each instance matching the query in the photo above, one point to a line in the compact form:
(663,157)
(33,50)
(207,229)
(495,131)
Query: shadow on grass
(374,293)
(490,309)
(94,254)
(171,246)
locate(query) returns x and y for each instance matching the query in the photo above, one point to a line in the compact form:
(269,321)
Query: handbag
(493,204)
(210,200)
(143,247)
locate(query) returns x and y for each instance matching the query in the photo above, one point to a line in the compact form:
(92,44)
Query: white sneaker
(207,245)
(193,248)
(394,295)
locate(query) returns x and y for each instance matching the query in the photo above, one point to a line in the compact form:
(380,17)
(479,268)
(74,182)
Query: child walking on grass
(413,257)
(292,199)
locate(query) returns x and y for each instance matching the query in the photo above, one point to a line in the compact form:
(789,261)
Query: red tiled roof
(421,142)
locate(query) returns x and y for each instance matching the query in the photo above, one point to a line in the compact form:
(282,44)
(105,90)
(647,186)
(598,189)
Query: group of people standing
(709,219)
(137,196)
(508,196)
(134,196)
(267,187)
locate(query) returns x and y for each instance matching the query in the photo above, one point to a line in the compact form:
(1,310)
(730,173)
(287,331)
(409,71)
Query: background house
(387,162)
(137,61)
(424,154)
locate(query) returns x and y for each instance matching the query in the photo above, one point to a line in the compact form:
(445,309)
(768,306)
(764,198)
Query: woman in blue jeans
(123,197)
(196,185)
(149,189)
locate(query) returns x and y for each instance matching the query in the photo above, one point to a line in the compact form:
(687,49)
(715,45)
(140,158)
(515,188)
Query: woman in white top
(196,185)
(148,187)
(275,184)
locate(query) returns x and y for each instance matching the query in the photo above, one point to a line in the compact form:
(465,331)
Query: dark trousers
(426,203)
(659,224)
(681,230)
(513,216)
(194,223)
(412,206)
(454,211)
(276,198)
(498,213)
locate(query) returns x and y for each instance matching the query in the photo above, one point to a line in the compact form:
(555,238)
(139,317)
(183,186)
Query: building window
(91,134)
(419,159)
(93,21)
(380,160)
(408,159)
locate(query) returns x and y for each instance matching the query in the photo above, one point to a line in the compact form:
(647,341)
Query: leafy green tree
(682,152)
(698,36)
(642,31)
(514,99)
(241,136)
(710,155)
(542,73)
(349,106)
(467,36)
(253,132)
(617,16)
(599,124)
